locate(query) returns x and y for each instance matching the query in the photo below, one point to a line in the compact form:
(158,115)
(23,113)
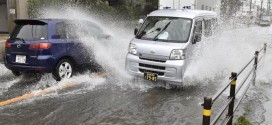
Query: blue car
(50,46)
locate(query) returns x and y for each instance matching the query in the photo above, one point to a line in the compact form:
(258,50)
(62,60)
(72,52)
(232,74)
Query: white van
(163,44)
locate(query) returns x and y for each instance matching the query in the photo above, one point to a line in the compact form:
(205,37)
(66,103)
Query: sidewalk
(3,37)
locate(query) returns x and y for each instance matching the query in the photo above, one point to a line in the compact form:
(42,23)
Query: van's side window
(208,27)
(198,29)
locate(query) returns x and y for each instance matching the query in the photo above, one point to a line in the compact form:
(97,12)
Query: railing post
(207,106)
(265,46)
(256,59)
(232,95)
(255,66)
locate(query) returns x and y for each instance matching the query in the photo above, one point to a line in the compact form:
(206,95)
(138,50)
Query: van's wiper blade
(20,39)
(143,31)
(163,29)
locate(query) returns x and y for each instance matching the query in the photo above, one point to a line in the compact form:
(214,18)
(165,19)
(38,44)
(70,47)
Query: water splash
(225,52)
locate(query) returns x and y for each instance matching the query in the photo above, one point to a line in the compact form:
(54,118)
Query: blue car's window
(30,32)
(60,31)
(77,29)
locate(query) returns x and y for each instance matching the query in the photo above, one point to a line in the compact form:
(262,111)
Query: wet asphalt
(106,103)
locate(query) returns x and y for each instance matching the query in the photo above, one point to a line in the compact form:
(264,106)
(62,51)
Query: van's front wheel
(63,70)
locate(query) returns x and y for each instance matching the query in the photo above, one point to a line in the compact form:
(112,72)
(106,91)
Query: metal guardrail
(208,101)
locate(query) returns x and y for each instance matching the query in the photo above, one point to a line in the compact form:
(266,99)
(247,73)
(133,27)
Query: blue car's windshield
(166,29)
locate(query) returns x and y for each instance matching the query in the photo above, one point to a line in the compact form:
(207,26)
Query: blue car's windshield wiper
(163,29)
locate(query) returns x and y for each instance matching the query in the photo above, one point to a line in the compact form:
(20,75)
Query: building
(190,4)
(9,11)
(207,4)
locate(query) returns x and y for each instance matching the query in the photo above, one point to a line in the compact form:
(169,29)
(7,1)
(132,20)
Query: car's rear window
(30,32)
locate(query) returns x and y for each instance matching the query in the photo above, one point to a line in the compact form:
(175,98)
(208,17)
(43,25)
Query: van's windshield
(166,29)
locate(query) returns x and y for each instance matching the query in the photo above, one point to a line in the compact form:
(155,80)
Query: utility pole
(268,7)
(261,9)
(195,6)
(250,6)
(242,6)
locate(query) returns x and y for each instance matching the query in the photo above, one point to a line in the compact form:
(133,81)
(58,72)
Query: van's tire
(64,69)
(16,73)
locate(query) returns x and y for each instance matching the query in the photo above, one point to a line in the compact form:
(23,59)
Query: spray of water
(225,52)
(110,53)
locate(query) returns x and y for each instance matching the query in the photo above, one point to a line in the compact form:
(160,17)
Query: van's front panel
(160,48)
(154,57)
(169,70)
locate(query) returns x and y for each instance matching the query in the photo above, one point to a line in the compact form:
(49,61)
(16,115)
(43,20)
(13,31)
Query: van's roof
(185,13)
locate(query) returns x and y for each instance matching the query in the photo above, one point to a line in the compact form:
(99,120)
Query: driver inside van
(177,29)
(153,32)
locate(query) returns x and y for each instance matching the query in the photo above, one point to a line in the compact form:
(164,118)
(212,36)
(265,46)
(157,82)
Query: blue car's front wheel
(63,70)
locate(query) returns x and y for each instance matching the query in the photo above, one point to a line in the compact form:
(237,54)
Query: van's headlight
(132,49)
(177,54)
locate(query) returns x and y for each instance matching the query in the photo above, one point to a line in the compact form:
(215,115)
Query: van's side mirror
(140,22)
(197,38)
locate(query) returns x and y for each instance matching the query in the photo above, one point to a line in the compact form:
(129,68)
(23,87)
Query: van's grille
(154,60)
(149,71)
(151,66)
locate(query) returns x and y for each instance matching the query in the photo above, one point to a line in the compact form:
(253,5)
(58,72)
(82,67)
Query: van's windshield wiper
(20,39)
(163,29)
(143,31)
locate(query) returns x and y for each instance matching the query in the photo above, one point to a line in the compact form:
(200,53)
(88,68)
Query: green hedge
(242,121)
(122,7)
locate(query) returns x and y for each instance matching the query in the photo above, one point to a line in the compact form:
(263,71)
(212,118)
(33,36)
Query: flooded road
(108,105)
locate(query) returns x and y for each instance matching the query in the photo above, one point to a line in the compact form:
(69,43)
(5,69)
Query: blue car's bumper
(43,64)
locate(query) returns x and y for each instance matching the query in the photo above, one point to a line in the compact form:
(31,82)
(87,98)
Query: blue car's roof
(42,21)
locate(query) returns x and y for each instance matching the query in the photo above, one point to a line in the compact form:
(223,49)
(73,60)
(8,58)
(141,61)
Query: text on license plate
(20,59)
(151,76)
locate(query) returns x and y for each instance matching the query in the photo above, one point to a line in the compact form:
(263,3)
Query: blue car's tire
(16,73)
(64,69)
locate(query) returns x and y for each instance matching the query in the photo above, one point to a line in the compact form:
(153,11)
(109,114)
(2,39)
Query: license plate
(151,76)
(20,59)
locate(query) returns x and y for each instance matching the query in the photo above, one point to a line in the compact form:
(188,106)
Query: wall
(21,8)
(179,4)
(176,4)
(2,49)
(207,4)
(3,18)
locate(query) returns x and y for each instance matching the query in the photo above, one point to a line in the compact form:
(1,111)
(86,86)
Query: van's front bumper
(170,70)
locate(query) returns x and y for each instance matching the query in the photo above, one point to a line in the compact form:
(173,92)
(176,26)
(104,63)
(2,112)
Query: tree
(230,7)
